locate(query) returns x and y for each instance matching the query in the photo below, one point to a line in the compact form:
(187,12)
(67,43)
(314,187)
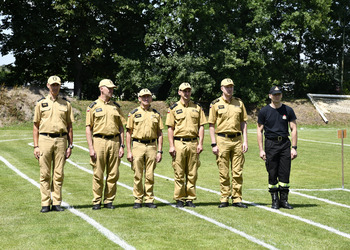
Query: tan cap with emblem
(144,92)
(185,85)
(54,79)
(227,82)
(107,83)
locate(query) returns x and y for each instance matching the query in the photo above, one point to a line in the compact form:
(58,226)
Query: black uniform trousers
(278,160)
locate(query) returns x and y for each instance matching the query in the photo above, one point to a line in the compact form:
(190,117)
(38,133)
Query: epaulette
(42,98)
(198,104)
(215,101)
(116,104)
(92,104)
(155,111)
(173,106)
(65,99)
(133,112)
(238,99)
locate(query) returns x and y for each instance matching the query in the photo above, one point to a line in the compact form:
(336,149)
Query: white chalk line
(330,229)
(106,232)
(219,224)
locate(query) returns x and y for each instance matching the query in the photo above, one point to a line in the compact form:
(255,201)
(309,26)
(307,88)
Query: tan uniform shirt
(54,116)
(145,124)
(185,120)
(104,118)
(228,115)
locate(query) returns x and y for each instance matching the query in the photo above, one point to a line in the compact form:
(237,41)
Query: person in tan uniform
(105,137)
(185,121)
(230,116)
(144,130)
(53,143)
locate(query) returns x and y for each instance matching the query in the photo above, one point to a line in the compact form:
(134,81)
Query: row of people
(105,122)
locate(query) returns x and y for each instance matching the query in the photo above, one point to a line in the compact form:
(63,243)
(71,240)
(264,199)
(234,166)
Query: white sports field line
(219,224)
(106,232)
(330,229)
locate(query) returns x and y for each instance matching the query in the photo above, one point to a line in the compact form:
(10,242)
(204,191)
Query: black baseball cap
(275,90)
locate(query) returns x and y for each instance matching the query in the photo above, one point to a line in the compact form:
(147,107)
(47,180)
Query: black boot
(275,199)
(284,198)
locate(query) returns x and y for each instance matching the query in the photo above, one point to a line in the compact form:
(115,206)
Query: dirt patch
(17,105)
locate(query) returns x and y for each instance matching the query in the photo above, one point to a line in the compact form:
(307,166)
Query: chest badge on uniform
(221,106)
(179,111)
(99,110)
(138,116)
(44,104)
(284,117)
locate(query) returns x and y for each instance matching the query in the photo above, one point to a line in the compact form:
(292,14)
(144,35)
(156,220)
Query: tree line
(158,44)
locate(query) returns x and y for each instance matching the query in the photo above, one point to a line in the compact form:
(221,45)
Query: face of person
(185,94)
(106,92)
(54,89)
(145,100)
(227,90)
(276,97)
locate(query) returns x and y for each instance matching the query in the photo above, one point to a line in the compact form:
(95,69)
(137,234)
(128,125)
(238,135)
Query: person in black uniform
(275,119)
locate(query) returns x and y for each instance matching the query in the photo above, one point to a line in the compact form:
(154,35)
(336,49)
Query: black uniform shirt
(276,121)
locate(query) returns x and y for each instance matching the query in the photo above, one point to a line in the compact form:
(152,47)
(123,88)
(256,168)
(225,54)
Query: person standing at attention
(274,119)
(53,143)
(230,116)
(185,121)
(144,141)
(105,137)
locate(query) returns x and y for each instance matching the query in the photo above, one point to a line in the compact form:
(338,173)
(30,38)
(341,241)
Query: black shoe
(109,206)
(179,203)
(223,204)
(45,209)
(96,206)
(239,204)
(137,205)
(190,204)
(285,204)
(150,205)
(57,208)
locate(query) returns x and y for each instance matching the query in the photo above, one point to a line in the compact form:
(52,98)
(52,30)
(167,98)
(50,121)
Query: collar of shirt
(227,101)
(103,101)
(144,109)
(184,105)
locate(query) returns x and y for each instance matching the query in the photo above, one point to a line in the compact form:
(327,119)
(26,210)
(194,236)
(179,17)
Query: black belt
(106,136)
(144,141)
(54,135)
(185,138)
(229,135)
(278,138)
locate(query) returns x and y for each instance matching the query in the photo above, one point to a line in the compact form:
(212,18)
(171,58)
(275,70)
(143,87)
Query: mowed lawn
(320,218)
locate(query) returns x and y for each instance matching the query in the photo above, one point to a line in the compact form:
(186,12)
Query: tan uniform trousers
(230,149)
(145,160)
(185,166)
(52,150)
(107,159)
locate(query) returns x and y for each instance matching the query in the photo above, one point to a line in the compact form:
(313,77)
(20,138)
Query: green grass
(318,166)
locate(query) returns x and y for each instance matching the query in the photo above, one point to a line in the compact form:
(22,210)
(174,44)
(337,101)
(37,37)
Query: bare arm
(88,132)
(260,129)
(201,139)
(245,136)
(36,140)
(213,140)
(128,145)
(172,150)
(293,128)
(121,138)
(160,145)
(70,140)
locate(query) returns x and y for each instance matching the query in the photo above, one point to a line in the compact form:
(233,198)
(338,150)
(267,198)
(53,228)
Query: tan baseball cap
(54,79)
(144,92)
(107,83)
(227,82)
(185,85)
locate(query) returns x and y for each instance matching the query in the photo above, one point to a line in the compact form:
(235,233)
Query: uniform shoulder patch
(215,101)
(92,104)
(116,104)
(155,111)
(173,106)
(133,111)
(42,98)
(64,98)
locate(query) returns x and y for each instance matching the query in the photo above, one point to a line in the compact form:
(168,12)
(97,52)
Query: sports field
(320,218)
